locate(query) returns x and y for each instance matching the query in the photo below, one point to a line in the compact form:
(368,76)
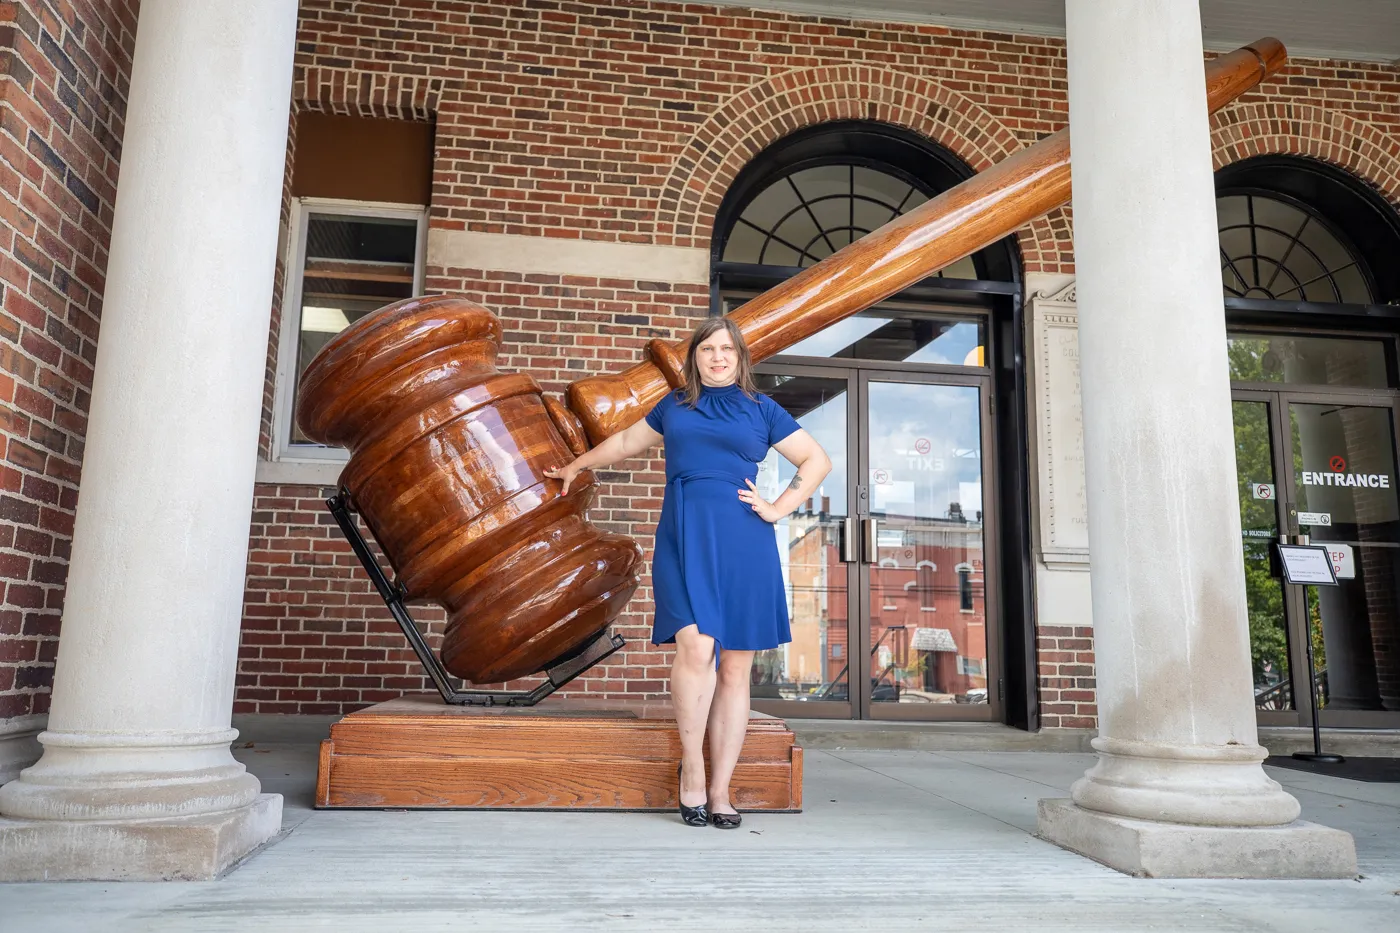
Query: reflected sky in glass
(827,424)
(925,450)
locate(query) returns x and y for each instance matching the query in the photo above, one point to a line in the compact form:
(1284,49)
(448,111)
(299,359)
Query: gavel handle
(957,223)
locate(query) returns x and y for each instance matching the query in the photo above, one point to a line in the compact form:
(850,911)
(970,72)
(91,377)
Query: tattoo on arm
(796,481)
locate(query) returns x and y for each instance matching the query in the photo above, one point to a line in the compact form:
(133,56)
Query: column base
(190,848)
(1147,849)
(19,745)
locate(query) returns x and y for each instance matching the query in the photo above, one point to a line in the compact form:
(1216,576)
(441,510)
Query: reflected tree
(1268,637)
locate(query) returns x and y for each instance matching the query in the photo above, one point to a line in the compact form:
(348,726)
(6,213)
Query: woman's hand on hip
(765,509)
(566,474)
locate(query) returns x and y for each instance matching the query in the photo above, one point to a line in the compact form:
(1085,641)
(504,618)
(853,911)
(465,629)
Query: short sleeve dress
(716,561)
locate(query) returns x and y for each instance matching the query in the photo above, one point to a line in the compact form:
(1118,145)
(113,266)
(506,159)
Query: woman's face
(718,359)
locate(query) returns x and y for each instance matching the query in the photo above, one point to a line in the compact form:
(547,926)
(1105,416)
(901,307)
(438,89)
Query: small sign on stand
(1309,565)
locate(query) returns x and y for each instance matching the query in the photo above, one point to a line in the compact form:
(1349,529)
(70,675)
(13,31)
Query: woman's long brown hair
(743,372)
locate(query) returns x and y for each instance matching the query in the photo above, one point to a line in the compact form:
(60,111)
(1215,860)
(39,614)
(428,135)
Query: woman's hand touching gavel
(620,446)
(566,474)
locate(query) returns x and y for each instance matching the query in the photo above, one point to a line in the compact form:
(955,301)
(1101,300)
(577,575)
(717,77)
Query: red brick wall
(1066,681)
(65,67)
(627,122)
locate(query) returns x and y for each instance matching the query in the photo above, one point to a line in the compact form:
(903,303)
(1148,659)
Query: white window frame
(313,455)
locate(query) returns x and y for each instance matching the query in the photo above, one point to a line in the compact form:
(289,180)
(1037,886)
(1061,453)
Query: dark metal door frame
(991,711)
(1383,399)
(859,705)
(826,709)
(1278,398)
(1005,483)
(1301,714)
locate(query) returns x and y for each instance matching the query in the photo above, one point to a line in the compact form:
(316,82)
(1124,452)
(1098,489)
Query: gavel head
(446,468)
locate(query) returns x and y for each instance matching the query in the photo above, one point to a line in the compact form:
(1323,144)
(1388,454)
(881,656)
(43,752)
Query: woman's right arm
(620,446)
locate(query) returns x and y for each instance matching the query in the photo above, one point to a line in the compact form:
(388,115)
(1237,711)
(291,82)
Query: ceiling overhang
(1353,30)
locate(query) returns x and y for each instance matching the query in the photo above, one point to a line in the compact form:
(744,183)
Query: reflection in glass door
(923,549)
(810,547)
(1264,593)
(1322,463)
(1344,496)
(891,592)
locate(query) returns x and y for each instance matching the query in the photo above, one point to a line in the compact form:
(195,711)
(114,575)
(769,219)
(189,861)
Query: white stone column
(1178,789)
(136,779)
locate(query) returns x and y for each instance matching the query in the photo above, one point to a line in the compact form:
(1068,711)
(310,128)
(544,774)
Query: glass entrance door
(1322,463)
(925,579)
(814,550)
(1272,648)
(891,592)
(1342,488)
(1315,418)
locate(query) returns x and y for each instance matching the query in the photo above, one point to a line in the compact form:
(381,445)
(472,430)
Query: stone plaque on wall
(1063,523)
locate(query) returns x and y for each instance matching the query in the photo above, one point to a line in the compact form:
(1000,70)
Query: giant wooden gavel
(448,453)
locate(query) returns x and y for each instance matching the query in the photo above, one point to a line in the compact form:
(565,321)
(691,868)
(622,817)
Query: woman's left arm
(812,465)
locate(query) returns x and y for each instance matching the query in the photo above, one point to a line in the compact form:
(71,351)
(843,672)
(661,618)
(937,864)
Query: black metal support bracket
(557,674)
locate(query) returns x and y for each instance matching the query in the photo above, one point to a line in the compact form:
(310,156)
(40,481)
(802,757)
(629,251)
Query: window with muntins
(806,215)
(351,258)
(1278,250)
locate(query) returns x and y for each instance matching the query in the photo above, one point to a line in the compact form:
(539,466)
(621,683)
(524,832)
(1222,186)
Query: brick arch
(348,92)
(1274,128)
(762,114)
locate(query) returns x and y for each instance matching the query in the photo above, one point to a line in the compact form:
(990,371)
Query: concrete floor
(891,839)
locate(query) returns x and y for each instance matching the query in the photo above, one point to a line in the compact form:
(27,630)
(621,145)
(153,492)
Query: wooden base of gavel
(448,453)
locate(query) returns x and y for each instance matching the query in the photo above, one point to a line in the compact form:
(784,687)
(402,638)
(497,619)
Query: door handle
(848,540)
(870,538)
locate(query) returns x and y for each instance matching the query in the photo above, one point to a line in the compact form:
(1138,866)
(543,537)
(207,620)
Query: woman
(716,578)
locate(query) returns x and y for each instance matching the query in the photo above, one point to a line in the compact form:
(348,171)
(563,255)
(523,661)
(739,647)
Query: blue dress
(716,561)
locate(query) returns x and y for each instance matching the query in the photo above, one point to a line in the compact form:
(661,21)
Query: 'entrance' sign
(1371,480)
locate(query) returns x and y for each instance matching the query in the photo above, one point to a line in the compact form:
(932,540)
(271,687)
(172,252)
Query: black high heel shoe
(690,816)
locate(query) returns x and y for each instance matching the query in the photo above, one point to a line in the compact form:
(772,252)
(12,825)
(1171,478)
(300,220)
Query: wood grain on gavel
(448,453)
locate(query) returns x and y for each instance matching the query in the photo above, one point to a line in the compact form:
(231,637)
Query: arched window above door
(1277,250)
(1297,231)
(807,214)
(821,188)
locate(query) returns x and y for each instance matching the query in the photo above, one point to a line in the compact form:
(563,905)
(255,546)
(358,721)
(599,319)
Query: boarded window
(362,159)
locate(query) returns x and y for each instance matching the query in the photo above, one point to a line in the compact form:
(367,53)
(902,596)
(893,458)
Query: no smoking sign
(922,446)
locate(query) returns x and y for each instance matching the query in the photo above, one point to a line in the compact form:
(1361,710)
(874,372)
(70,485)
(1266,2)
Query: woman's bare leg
(729,722)
(692,688)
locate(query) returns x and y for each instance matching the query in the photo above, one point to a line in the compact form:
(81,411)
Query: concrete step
(935,736)
(1358,743)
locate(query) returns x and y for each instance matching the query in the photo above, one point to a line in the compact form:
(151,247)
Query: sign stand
(1317,753)
(1300,565)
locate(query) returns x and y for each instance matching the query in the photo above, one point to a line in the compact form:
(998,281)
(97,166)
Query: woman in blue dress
(716,577)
